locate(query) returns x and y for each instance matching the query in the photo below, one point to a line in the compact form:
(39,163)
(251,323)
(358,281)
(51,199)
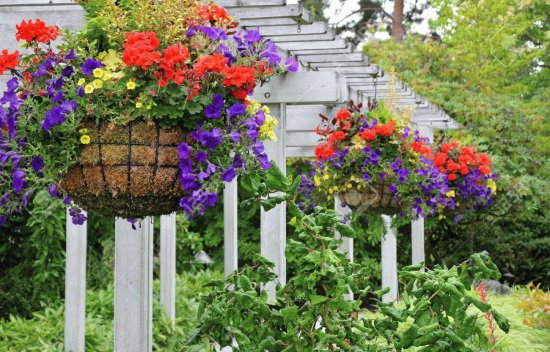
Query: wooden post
(273,222)
(167,257)
(230,227)
(134,285)
(389,260)
(417,226)
(75,286)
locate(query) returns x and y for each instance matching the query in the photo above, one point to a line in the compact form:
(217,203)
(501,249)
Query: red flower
(140,49)
(213,13)
(464,170)
(343,114)
(240,76)
(483,159)
(336,136)
(440,159)
(8,61)
(485,170)
(452,166)
(210,63)
(447,147)
(385,129)
(29,31)
(451,177)
(421,148)
(323,152)
(368,134)
(173,64)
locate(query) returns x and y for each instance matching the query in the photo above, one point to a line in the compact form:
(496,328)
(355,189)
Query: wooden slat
(230,227)
(301,139)
(296,29)
(253,3)
(167,260)
(296,12)
(315,45)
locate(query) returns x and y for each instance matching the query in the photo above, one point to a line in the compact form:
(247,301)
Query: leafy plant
(535,304)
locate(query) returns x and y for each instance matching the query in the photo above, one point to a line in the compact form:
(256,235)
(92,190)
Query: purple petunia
(291,64)
(214,110)
(37,163)
(228,174)
(236,109)
(90,65)
(18,180)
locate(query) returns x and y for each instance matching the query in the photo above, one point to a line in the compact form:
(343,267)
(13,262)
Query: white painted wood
(301,88)
(75,286)
(133,286)
(167,258)
(306,29)
(296,12)
(347,243)
(317,45)
(273,222)
(389,261)
(417,238)
(230,228)
(329,35)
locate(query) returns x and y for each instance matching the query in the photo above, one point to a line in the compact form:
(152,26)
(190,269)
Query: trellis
(332,73)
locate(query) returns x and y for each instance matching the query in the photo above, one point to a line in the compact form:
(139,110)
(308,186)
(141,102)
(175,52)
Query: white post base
(389,261)
(168,264)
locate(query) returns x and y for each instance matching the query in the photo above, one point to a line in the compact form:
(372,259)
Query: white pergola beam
(167,257)
(296,29)
(317,45)
(230,227)
(295,12)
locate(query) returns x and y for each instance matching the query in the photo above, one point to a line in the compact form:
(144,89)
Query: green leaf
(316,299)
(501,320)
(290,314)
(276,181)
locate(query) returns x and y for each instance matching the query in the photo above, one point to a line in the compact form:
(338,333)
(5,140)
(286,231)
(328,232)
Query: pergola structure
(332,72)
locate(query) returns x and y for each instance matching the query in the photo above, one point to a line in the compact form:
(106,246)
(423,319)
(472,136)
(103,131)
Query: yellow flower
(451,193)
(148,107)
(81,81)
(441,217)
(83,131)
(317,180)
(349,185)
(111,59)
(98,72)
(97,83)
(107,76)
(139,105)
(492,185)
(85,139)
(131,85)
(326,177)
(89,89)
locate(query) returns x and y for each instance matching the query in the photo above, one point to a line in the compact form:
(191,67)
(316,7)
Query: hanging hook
(299,29)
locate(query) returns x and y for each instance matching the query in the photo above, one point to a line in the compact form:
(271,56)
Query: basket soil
(127,171)
(374,198)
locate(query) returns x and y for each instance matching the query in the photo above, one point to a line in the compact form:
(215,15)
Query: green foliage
(536,306)
(310,313)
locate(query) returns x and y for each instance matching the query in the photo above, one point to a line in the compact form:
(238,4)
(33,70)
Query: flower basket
(127,171)
(374,198)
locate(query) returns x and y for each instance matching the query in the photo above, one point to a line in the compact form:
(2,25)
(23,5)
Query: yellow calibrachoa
(451,194)
(270,122)
(139,105)
(81,81)
(317,180)
(111,59)
(89,89)
(131,85)
(98,73)
(97,83)
(85,139)
(492,185)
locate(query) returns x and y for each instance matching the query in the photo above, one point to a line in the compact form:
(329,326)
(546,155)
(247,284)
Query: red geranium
(385,129)
(210,63)
(30,31)
(173,64)
(368,134)
(8,61)
(140,49)
(336,136)
(322,151)
(343,114)
(213,13)
(240,76)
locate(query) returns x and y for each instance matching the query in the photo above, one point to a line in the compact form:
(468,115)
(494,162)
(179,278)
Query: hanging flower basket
(134,115)
(374,198)
(127,171)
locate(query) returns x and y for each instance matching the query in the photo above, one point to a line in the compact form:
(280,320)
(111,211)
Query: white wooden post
(75,286)
(389,260)
(230,227)
(417,226)
(347,243)
(167,258)
(134,285)
(273,222)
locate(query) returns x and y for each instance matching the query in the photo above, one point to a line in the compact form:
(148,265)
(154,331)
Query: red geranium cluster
(213,13)
(173,64)
(420,147)
(8,61)
(141,49)
(36,31)
(453,160)
(384,129)
(240,80)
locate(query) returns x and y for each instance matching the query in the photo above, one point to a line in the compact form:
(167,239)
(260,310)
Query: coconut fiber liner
(127,171)
(374,198)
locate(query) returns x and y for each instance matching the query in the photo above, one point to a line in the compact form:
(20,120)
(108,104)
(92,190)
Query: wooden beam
(301,88)
(295,12)
(252,3)
(316,45)
(296,29)
(389,261)
(323,58)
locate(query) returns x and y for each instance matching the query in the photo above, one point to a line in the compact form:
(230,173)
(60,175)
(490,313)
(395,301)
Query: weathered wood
(273,222)
(389,261)
(230,227)
(167,258)
(133,286)
(417,238)
(75,286)
(317,45)
(296,29)
(295,12)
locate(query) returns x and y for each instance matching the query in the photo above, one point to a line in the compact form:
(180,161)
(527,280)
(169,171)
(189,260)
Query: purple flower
(211,32)
(393,188)
(68,200)
(234,136)
(236,110)
(67,71)
(258,148)
(52,189)
(55,116)
(211,199)
(209,139)
(59,97)
(71,55)
(80,92)
(184,151)
(270,53)
(200,156)
(18,180)
(228,174)
(252,36)
(291,64)
(214,110)
(90,65)
(37,163)
(260,117)
(3,219)
(264,161)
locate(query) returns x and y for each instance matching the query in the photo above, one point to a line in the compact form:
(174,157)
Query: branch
(364,9)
